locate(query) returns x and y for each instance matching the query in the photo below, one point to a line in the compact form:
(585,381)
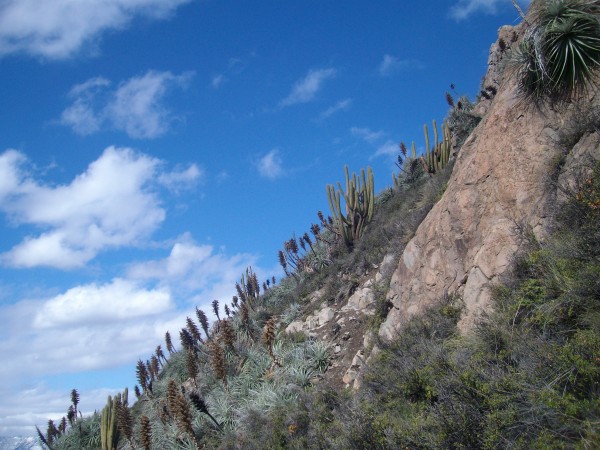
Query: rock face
(502,181)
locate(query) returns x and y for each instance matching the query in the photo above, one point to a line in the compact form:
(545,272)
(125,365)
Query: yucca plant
(560,50)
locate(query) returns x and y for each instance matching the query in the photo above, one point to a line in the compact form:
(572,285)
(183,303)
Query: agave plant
(560,51)
(319,355)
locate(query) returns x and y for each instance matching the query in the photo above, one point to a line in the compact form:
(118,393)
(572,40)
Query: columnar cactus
(360,201)
(109,435)
(436,156)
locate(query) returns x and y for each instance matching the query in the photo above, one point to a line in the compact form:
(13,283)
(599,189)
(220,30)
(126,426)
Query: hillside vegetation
(526,375)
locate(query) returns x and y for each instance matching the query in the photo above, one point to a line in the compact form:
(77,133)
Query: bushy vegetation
(527,377)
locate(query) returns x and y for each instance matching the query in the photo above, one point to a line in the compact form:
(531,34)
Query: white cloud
(135,106)
(181,179)
(342,105)
(10,171)
(108,327)
(388,149)
(307,88)
(90,304)
(271,165)
(58,29)
(392,64)
(465,8)
(366,134)
(39,403)
(217,80)
(196,270)
(112,204)
(88,87)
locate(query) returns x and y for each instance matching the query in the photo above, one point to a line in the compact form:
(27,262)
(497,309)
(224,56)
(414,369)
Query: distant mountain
(19,443)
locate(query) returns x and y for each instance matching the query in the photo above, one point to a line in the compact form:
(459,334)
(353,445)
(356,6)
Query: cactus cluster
(109,432)
(359,201)
(437,156)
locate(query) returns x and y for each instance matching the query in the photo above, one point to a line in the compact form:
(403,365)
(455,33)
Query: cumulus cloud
(197,270)
(135,106)
(118,300)
(112,204)
(181,179)
(391,65)
(58,29)
(366,134)
(389,149)
(465,8)
(90,337)
(271,165)
(342,105)
(306,89)
(10,172)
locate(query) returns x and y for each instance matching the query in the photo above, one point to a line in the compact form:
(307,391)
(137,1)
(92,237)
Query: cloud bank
(58,29)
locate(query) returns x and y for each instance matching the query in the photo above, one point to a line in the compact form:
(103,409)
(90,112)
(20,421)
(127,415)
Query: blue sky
(151,150)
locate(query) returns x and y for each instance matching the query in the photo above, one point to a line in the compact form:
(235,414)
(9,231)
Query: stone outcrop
(342,321)
(501,182)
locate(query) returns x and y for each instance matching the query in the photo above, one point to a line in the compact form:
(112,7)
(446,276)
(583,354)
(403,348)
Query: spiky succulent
(215,306)
(187,341)
(193,329)
(203,321)
(217,361)
(160,355)
(75,399)
(145,433)
(560,51)
(142,375)
(125,420)
(227,335)
(200,405)
(268,338)
(191,363)
(169,343)
(71,415)
(180,410)
(155,365)
(42,438)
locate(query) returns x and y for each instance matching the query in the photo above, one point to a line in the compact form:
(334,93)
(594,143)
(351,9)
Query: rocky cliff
(505,182)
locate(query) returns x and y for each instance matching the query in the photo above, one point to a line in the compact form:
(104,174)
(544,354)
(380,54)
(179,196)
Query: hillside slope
(465,314)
